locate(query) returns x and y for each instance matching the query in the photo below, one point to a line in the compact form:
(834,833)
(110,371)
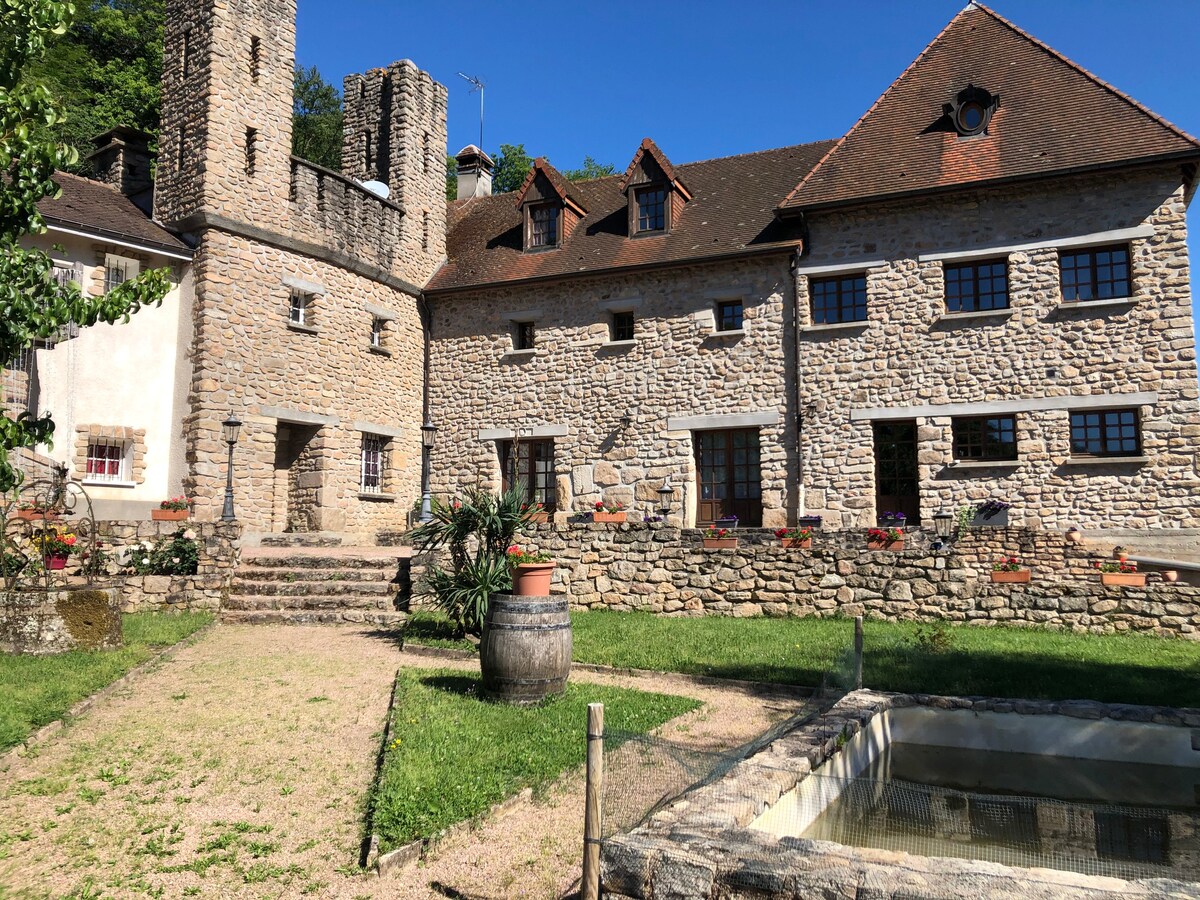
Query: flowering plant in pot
(885,539)
(1121,573)
(531,572)
(892,519)
(56,545)
(534,513)
(173,510)
(718,539)
(795,538)
(32,512)
(1008,571)
(609,512)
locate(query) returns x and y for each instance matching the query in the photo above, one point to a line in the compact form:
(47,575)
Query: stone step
(250,585)
(318,561)
(293,576)
(377,618)
(327,601)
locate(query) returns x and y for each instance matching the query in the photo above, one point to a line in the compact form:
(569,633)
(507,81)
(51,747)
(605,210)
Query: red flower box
(796,544)
(614,518)
(168,515)
(1021,576)
(720,543)
(886,545)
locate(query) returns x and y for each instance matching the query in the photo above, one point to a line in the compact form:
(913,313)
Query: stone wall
(45,622)
(578,386)
(665,570)
(910,354)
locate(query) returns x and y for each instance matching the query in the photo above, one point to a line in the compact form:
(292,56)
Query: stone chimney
(123,159)
(475,170)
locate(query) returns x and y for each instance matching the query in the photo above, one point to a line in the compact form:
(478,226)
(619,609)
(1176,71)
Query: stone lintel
(731,420)
(380,312)
(1082,240)
(296,416)
(533,431)
(303,284)
(989,407)
(391,431)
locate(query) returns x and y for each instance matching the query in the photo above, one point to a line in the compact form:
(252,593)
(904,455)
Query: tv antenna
(477,85)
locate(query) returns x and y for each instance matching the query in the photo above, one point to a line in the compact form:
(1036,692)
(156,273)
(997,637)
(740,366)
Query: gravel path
(239,769)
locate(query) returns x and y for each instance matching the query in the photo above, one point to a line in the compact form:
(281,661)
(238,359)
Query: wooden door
(730,476)
(896,475)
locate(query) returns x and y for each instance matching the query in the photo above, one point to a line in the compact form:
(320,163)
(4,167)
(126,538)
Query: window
(729,315)
(368,152)
(185,55)
(374,463)
(255,57)
(1132,837)
(524,336)
(622,326)
(1098,273)
(839,299)
(251,151)
(106,461)
(985,437)
(543,225)
(300,312)
(651,209)
(117,270)
(1105,432)
(377,328)
(531,464)
(64,273)
(977,286)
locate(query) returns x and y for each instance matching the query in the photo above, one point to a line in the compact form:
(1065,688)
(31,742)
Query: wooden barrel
(525,653)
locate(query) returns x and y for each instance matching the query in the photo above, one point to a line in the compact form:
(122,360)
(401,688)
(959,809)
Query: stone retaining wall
(46,622)
(665,570)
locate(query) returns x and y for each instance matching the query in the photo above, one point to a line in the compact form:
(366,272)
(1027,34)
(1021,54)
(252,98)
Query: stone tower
(395,132)
(226,136)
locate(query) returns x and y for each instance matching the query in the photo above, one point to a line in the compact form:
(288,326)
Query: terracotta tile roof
(558,181)
(732,211)
(89,205)
(1053,117)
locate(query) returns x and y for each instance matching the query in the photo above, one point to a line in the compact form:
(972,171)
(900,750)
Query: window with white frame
(118,270)
(374,463)
(107,461)
(300,311)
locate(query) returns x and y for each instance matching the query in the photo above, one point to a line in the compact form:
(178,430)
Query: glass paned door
(896,476)
(730,476)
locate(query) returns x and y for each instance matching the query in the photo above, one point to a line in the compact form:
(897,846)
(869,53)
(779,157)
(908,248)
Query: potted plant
(56,546)
(718,539)
(795,538)
(531,572)
(885,539)
(1120,553)
(30,512)
(892,519)
(1074,535)
(173,510)
(535,513)
(1009,571)
(1121,573)
(609,512)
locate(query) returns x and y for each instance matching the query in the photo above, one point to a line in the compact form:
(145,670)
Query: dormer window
(651,209)
(972,110)
(543,226)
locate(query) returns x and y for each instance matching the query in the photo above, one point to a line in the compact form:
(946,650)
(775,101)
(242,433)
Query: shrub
(177,554)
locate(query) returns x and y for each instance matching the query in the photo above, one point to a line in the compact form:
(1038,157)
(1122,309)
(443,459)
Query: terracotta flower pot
(796,543)
(616,518)
(55,561)
(886,545)
(36,515)
(1170,575)
(168,515)
(1121,556)
(1123,579)
(720,543)
(539,518)
(1021,576)
(532,579)
(1074,536)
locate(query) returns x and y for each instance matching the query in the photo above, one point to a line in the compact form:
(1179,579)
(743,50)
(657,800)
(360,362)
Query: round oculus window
(971,117)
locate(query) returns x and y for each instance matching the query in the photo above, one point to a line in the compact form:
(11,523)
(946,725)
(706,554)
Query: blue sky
(709,79)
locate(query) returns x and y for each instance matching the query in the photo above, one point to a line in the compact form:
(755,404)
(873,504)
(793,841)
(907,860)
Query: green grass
(452,755)
(433,629)
(969,660)
(37,690)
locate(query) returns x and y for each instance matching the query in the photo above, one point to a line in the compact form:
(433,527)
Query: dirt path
(239,769)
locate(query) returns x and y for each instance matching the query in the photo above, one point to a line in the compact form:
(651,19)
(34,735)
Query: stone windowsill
(976,314)
(381,351)
(1085,305)
(836,326)
(729,333)
(519,354)
(303,329)
(618,345)
(108,484)
(1105,460)
(377,498)
(985,464)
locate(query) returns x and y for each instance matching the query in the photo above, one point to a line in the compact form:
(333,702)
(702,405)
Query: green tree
(512,165)
(32,304)
(451,177)
(317,119)
(589,170)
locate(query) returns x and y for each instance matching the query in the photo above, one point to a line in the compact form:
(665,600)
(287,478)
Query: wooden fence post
(858,652)
(592,811)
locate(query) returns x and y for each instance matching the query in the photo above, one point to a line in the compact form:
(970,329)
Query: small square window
(622,326)
(729,315)
(118,270)
(373,463)
(300,311)
(651,209)
(839,299)
(977,286)
(1134,837)
(378,326)
(1106,432)
(107,461)
(524,336)
(1097,273)
(985,438)
(543,225)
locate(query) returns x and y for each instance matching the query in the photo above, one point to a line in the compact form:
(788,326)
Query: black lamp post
(231,427)
(428,436)
(666,494)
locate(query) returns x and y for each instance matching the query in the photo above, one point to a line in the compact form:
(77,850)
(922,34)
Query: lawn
(37,690)
(452,756)
(898,656)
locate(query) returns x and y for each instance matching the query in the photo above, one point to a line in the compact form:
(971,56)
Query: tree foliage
(317,119)
(33,305)
(589,170)
(512,165)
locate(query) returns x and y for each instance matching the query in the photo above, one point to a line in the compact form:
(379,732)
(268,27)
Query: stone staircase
(308,585)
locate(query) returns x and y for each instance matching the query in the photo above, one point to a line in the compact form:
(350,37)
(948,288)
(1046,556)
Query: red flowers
(715,533)
(1007,564)
(883,535)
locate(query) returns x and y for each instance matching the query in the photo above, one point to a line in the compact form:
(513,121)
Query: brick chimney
(475,170)
(123,159)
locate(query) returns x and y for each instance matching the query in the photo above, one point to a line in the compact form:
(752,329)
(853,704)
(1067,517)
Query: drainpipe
(802,469)
(426,452)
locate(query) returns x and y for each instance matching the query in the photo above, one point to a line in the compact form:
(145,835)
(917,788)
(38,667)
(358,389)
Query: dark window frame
(516,465)
(973,443)
(373,463)
(622,325)
(845,286)
(532,229)
(977,295)
(524,336)
(1121,288)
(727,319)
(1102,426)
(663,213)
